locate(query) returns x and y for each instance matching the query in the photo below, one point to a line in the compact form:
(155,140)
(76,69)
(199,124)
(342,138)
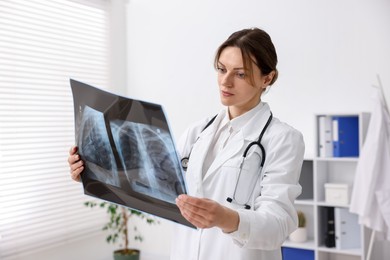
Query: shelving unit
(315,173)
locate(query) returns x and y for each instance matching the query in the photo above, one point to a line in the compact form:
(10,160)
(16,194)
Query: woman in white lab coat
(239,214)
(246,66)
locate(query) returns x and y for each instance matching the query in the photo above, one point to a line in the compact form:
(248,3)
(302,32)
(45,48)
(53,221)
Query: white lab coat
(371,190)
(272,216)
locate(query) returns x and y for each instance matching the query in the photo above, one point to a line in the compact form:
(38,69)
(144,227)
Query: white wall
(330,52)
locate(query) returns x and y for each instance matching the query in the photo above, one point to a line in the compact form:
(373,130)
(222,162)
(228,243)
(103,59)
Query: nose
(226,80)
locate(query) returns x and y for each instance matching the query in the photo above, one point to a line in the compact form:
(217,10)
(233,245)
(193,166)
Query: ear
(268,79)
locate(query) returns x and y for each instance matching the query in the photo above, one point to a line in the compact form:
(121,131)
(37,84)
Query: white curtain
(43,43)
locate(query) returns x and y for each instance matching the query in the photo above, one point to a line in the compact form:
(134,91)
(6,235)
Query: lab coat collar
(251,131)
(238,122)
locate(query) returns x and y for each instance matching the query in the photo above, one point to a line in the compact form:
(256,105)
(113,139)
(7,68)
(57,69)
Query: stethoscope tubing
(185,161)
(263,157)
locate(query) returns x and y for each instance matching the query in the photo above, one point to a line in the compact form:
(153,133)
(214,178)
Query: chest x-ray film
(128,152)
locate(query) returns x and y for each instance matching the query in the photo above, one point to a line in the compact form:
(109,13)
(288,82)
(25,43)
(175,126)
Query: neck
(238,111)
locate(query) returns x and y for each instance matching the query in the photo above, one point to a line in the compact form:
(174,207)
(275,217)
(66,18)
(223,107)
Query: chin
(225,102)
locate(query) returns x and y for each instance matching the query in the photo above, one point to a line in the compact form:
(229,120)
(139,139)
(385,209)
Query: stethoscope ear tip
(229,199)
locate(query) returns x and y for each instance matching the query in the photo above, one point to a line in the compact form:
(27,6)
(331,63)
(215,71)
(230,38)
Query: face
(236,91)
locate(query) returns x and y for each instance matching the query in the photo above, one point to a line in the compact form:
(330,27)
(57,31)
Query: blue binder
(345,136)
(297,254)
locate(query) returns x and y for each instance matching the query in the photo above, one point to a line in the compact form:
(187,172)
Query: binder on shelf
(325,144)
(330,238)
(347,229)
(297,253)
(345,134)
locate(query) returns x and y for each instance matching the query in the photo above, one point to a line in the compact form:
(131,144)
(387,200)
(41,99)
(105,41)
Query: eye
(240,75)
(221,70)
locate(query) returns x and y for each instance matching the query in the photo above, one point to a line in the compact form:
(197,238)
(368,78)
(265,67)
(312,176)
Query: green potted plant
(300,234)
(301,219)
(118,227)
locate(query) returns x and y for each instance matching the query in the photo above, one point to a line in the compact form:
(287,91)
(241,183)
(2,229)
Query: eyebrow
(240,68)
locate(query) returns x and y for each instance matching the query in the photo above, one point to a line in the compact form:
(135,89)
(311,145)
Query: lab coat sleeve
(274,216)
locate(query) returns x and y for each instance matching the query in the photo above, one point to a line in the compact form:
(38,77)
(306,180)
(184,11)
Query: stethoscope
(234,199)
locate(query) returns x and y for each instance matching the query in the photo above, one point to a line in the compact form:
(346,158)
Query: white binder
(347,229)
(325,144)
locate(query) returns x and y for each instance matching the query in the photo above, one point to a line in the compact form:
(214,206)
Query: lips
(226,94)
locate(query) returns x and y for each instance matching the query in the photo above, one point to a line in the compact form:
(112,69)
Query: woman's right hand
(76,165)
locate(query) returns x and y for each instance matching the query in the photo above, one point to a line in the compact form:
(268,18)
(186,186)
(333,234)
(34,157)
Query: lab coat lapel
(199,153)
(249,133)
(232,148)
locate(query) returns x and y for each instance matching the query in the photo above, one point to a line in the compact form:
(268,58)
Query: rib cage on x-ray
(147,154)
(96,149)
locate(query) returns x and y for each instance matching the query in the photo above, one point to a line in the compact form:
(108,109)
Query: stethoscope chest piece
(184,163)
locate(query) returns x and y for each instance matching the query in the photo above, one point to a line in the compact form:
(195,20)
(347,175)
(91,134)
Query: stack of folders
(343,230)
(338,136)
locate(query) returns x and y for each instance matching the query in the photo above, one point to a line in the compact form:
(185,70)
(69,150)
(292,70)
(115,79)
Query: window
(43,43)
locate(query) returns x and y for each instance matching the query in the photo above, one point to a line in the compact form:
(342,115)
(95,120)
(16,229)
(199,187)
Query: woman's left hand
(206,213)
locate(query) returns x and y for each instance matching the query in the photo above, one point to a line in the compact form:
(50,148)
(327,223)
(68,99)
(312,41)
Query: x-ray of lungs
(128,152)
(148,156)
(95,147)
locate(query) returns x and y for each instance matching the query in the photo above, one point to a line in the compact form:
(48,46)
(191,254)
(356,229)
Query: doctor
(242,166)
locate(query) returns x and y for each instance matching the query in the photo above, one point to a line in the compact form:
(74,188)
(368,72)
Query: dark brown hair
(256,46)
